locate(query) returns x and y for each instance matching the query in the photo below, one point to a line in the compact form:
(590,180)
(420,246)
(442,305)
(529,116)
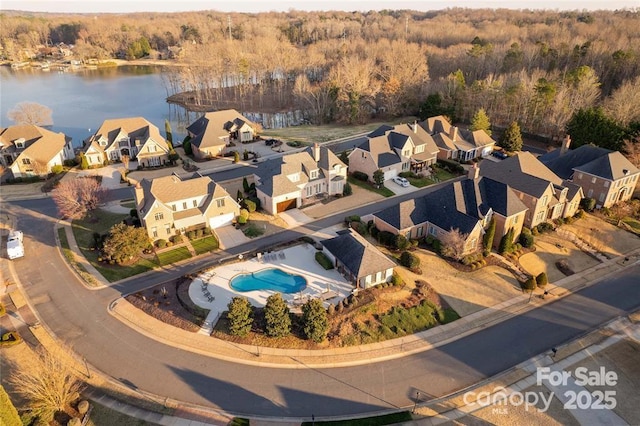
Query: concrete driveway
(228,236)
(397,189)
(294,218)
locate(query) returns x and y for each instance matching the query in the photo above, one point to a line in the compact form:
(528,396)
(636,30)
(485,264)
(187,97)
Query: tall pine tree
(480,121)
(511,139)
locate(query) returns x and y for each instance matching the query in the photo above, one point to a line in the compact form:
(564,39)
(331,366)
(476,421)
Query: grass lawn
(420,182)
(327,132)
(101,415)
(442,174)
(633,224)
(172,256)
(205,245)
(68,254)
(384,191)
(252,231)
(101,221)
(130,204)
(388,419)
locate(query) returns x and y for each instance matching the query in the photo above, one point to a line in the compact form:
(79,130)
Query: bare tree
(453,244)
(47,383)
(31,113)
(632,150)
(76,198)
(125,164)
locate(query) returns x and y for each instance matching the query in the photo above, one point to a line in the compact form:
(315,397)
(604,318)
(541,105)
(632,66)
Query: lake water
(82,100)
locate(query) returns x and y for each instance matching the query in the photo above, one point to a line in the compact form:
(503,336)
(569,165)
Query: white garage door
(390,174)
(222,220)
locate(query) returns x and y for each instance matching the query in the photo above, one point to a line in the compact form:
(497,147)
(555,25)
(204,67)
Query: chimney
(566,142)
(453,133)
(316,152)
(474,172)
(414,126)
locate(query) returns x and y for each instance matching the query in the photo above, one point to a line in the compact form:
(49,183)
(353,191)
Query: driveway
(399,190)
(228,236)
(294,218)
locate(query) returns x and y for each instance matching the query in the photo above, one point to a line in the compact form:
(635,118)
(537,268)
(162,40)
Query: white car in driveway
(401,181)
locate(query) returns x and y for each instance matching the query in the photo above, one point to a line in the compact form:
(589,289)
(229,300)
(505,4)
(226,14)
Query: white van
(15,248)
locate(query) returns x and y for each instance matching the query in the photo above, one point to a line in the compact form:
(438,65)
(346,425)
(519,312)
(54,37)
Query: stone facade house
(134,137)
(546,195)
(170,205)
(358,260)
(214,131)
(290,181)
(466,206)
(29,150)
(394,149)
(455,143)
(604,175)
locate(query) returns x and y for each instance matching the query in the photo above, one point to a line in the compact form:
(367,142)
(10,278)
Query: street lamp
(415,405)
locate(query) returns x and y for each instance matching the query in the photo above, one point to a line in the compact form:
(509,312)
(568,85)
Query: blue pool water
(268,279)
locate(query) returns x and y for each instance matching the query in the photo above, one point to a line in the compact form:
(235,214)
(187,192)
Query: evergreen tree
(378,177)
(489,236)
(240,316)
(592,126)
(186,145)
(347,190)
(511,139)
(480,121)
(276,315)
(506,243)
(314,318)
(84,163)
(245,185)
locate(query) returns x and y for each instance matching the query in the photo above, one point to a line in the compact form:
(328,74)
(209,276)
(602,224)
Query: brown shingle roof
(40,144)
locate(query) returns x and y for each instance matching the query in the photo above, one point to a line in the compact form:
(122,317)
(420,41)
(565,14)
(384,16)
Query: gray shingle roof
(523,172)
(457,205)
(357,254)
(563,165)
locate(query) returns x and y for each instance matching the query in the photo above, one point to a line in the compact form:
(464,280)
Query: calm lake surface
(82,100)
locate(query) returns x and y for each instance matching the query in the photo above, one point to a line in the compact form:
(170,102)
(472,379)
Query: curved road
(79,317)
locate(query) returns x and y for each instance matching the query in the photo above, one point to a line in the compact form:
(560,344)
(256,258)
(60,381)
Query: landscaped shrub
(506,243)
(323,260)
(161,244)
(360,228)
(545,227)
(541,279)
(249,205)
(331,310)
(347,190)
(191,235)
(176,239)
(199,233)
(240,313)
(349,219)
(360,176)
(401,243)
(529,284)
(454,166)
(243,216)
(396,280)
(255,201)
(489,235)
(526,238)
(374,232)
(276,315)
(409,260)
(579,214)
(588,204)
(386,238)
(57,169)
(314,318)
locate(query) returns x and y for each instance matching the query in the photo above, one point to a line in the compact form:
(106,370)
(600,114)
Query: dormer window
(294,177)
(419,149)
(314,174)
(20,143)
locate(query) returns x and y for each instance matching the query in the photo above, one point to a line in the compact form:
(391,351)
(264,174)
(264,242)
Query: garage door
(390,174)
(286,205)
(222,220)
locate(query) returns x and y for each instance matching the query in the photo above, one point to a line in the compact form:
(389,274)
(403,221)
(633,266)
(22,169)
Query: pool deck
(211,290)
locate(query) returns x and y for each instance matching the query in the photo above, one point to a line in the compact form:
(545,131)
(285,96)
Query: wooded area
(534,67)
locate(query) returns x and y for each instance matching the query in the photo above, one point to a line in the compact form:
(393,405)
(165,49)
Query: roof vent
(625,172)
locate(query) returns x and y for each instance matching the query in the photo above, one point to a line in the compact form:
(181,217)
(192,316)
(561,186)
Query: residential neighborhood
(300,214)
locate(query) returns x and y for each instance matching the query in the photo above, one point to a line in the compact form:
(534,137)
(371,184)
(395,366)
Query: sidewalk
(365,354)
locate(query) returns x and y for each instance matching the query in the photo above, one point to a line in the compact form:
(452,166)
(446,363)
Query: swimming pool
(268,279)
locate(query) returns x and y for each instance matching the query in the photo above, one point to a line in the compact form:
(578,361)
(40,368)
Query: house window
(593,180)
(173,207)
(168,228)
(318,188)
(432,230)
(515,220)
(579,175)
(540,216)
(26,161)
(309,191)
(159,216)
(606,183)
(103,143)
(364,155)
(544,201)
(420,231)
(314,174)
(473,243)
(184,205)
(152,148)
(195,203)
(220,202)
(590,193)
(154,232)
(419,149)
(405,166)
(20,145)
(602,197)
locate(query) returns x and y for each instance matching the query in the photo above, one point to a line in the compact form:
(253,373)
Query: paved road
(79,317)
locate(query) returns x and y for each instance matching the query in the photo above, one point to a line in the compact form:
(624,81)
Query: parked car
(499,154)
(270,142)
(15,248)
(401,181)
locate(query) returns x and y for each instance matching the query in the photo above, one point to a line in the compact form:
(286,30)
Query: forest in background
(539,68)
